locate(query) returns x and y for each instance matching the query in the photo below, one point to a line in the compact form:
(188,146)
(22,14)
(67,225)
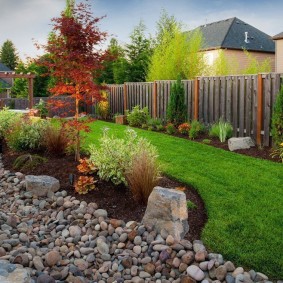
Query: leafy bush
(277,119)
(170,129)
(177,110)
(55,139)
(28,161)
(196,129)
(114,156)
(84,184)
(143,175)
(159,128)
(137,117)
(26,134)
(6,119)
(184,128)
(153,125)
(222,130)
(278,152)
(86,166)
(102,107)
(42,108)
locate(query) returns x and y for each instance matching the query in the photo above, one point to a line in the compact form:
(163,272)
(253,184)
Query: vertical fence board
(248,114)
(216,99)
(211,101)
(235,105)
(205,100)
(229,99)
(241,106)
(266,109)
(222,98)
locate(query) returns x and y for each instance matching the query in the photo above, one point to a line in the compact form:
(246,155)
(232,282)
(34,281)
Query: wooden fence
(245,101)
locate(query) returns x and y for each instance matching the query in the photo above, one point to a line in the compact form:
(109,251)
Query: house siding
(279,56)
(239,58)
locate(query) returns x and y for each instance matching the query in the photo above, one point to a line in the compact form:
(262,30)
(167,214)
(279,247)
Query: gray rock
(167,209)
(44,278)
(100,213)
(195,272)
(19,275)
(240,143)
(41,185)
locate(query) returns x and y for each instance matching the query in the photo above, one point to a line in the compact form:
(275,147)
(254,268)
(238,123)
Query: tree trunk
(77,148)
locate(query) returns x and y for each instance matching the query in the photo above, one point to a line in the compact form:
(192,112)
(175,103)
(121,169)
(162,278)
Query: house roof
(231,34)
(4,68)
(278,36)
(4,84)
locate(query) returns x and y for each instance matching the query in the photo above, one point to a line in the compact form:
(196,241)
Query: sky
(26,21)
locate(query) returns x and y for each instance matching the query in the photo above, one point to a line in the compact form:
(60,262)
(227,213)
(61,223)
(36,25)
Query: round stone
(52,258)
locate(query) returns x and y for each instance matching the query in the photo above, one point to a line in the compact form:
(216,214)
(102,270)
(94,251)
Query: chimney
(246,37)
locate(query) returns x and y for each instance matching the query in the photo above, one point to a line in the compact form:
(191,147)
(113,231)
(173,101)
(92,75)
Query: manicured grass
(243,197)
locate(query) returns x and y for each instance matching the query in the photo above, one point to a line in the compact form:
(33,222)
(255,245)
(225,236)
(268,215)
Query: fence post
(30,92)
(125,98)
(154,99)
(259,109)
(196,96)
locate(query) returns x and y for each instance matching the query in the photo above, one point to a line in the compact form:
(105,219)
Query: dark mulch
(117,200)
(256,151)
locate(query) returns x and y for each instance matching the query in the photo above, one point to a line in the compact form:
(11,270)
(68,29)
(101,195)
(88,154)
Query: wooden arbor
(29,77)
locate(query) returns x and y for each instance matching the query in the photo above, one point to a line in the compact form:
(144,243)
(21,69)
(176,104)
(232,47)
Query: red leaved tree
(75,58)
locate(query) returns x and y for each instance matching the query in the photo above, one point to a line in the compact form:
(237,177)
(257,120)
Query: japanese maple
(75,58)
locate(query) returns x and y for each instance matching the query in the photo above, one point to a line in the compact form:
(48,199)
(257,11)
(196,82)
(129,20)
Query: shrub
(177,110)
(42,109)
(86,166)
(114,156)
(159,128)
(102,107)
(196,129)
(154,122)
(170,129)
(84,184)
(184,128)
(143,175)
(28,161)
(6,119)
(278,152)
(138,116)
(55,139)
(222,130)
(26,134)
(277,119)
(191,205)
(144,126)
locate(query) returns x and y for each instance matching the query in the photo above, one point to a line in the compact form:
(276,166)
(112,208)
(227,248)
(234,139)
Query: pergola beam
(7,75)
(29,77)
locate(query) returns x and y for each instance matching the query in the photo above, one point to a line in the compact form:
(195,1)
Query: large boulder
(41,185)
(240,143)
(167,209)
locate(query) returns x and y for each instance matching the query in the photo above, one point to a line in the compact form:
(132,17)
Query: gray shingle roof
(230,34)
(4,68)
(278,36)
(4,84)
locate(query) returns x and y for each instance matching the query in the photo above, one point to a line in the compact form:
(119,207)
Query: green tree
(178,54)
(277,119)
(255,66)
(166,24)
(114,65)
(70,4)
(177,110)
(8,54)
(41,83)
(138,53)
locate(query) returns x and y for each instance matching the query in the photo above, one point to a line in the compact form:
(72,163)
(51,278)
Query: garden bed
(117,200)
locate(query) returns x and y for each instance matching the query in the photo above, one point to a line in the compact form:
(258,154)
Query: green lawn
(243,197)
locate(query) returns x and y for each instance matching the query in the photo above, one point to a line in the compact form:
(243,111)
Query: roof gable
(278,36)
(4,68)
(236,34)
(4,84)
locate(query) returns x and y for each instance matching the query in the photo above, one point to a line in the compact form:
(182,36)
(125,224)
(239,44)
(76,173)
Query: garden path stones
(57,238)
(41,185)
(167,209)
(240,143)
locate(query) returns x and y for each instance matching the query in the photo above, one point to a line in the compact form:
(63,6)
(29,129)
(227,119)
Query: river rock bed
(60,239)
